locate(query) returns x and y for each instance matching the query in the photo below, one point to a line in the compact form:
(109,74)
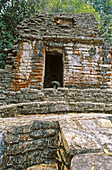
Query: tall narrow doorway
(53,68)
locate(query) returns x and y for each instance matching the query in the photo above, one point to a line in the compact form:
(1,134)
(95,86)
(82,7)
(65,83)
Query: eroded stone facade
(68,45)
(86,60)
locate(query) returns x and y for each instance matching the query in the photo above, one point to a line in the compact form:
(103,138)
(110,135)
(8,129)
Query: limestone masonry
(59,47)
(57,129)
(70,141)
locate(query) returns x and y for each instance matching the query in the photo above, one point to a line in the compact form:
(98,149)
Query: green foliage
(106,24)
(104,7)
(13,14)
(55,84)
(88,9)
(71,6)
(33,6)
(106,28)
(14,11)
(5,41)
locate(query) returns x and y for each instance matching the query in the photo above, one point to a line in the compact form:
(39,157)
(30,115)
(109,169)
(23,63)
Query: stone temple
(67,128)
(59,47)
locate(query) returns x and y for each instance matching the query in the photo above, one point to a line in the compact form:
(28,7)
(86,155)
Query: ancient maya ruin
(66,127)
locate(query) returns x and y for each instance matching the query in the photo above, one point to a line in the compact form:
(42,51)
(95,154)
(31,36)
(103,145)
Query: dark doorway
(53,69)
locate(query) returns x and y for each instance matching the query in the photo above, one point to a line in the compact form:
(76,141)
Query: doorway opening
(53,68)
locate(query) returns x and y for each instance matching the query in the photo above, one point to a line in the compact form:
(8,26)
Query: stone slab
(93,161)
(43,167)
(80,134)
(85,134)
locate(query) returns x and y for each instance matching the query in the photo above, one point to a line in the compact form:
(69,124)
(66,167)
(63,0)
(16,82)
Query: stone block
(45,124)
(105,123)
(2,147)
(72,107)
(43,133)
(108,108)
(43,167)
(91,161)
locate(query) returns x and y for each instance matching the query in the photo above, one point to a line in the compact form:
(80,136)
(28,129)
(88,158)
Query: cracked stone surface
(86,133)
(89,161)
(43,167)
(78,137)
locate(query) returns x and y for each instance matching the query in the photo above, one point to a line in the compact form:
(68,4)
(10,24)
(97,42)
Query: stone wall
(30,143)
(5,79)
(63,100)
(29,65)
(86,58)
(58,25)
(44,139)
(85,64)
(2,147)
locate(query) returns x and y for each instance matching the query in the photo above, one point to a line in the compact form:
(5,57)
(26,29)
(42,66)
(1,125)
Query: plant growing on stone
(55,84)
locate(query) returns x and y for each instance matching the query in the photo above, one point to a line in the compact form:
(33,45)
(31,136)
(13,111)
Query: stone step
(48,107)
(43,167)
(61,139)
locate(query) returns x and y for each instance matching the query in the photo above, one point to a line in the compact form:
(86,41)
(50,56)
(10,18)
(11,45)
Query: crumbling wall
(2,146)
(28,101)
(29,143)
(58,25)
(28,65)
(45,139)
(87,66)
(86,58)
(5,79)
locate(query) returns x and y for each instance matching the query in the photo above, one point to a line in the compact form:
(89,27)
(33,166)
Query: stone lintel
(77,39)
(65,38)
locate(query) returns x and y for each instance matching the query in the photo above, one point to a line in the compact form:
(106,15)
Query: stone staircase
(63,100)
(63,127)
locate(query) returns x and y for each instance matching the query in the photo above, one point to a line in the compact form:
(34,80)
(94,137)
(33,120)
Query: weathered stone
(60,100)
(84,63)
(31,140)
(43,133)
(43,167)
(2,136)
(44,125)
(91,161)
(64,48)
